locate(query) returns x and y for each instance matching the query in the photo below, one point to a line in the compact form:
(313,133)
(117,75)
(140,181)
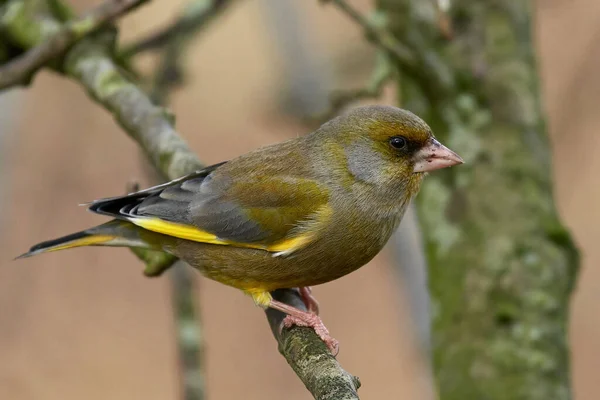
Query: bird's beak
(434,156)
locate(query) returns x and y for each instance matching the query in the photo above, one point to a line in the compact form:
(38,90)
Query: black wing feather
(123,206)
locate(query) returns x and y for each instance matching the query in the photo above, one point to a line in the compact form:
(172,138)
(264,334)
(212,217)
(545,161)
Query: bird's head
(390,147)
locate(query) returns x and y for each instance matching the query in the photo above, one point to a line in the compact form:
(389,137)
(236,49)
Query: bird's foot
(313,321)
(309,318)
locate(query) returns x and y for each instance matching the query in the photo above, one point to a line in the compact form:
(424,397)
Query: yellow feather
(288,245)
(261,298)
(86,241)
(177,230)
(310,229)
(285,246)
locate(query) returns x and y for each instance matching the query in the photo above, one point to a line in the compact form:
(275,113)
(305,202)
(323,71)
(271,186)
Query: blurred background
(87,324)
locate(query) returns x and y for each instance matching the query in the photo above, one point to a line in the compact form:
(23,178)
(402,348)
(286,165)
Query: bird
(294,214)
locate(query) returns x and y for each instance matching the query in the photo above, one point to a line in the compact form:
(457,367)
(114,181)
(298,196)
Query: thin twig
(190,338)
(309,357)
(19,70)
(379,36)
(194,17)
(421,65)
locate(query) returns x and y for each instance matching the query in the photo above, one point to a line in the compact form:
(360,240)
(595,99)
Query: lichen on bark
(501,265)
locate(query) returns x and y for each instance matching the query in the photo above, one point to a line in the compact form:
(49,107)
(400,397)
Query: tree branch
(501,264)
(174,41)
(90,62)
(308,355)
(20,70)
(379,36)
(195,16)
(421,64)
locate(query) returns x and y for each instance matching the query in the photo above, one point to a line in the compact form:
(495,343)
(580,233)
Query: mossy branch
(194,17)
(19,71)
(309,357)
(91,63)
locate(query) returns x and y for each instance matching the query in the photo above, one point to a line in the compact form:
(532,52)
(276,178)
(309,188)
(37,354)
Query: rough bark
(501,265)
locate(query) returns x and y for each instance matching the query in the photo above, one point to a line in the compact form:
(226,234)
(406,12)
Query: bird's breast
(356,234)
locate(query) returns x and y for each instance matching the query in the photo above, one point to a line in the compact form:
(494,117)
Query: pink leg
(308,319)
(309,300)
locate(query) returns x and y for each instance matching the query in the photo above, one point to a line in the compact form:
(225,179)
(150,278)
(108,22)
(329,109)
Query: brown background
(87,324)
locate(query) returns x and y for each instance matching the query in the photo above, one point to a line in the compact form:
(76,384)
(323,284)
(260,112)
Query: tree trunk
(501,264)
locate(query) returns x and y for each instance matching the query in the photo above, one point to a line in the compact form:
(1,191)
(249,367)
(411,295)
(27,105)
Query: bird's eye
(398,142)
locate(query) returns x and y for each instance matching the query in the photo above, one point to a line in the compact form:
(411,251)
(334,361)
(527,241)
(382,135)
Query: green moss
(156,262)
(15,22)
(109,83)
(60,10)
(165,160)
(444,234)
(501,263)
(83,27)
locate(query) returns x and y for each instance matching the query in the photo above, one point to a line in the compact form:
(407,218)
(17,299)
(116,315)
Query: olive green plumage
(299,213)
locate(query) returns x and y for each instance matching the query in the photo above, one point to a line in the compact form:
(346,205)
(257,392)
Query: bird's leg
(309,300)
(308,319)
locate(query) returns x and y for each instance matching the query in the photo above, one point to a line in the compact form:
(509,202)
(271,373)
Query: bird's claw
(313,321)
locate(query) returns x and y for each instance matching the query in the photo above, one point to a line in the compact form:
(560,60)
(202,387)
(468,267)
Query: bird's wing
(279,214)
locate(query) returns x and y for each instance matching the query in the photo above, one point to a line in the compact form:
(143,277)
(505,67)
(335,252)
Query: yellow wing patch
(305,230)
(176,230)
(85,241)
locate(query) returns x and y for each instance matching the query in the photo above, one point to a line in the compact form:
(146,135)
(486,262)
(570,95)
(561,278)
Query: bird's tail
(113,233)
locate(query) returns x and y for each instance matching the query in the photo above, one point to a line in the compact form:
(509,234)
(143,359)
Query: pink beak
(435,156)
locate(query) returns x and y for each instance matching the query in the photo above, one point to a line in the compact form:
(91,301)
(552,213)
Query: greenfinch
(295,214)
